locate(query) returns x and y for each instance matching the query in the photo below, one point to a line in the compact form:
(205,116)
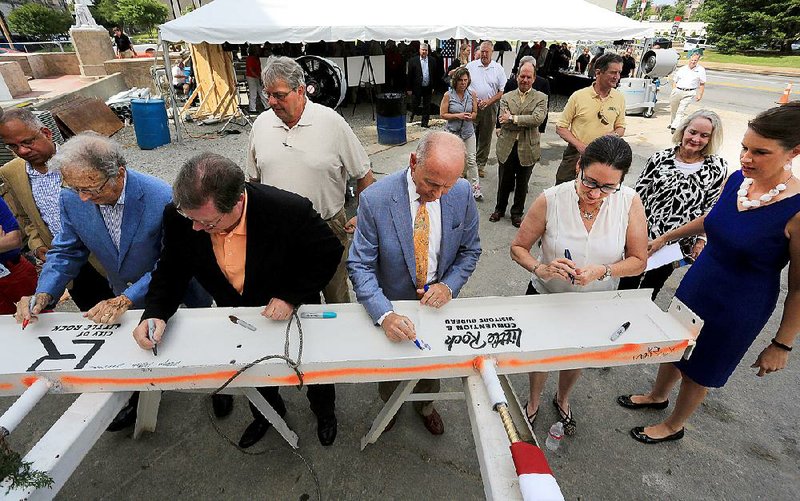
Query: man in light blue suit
(385,262)
(114,213)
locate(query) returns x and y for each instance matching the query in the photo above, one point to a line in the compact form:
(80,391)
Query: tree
(106,13)
(37,20)
(741,25)
(144,14)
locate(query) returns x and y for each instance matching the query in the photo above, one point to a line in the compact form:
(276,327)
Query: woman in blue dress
(753,232)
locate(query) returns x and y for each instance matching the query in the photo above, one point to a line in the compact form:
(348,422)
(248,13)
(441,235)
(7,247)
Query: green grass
(759,59)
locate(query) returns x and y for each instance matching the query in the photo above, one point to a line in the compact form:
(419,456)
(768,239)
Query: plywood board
(216,81)
(87,113)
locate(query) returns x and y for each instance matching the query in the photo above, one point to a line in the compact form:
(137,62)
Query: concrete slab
(743,443)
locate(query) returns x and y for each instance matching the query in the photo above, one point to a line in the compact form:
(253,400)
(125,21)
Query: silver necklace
(588,215)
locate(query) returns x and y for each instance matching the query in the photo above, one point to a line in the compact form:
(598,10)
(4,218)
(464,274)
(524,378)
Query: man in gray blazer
(521,112)
(416,239)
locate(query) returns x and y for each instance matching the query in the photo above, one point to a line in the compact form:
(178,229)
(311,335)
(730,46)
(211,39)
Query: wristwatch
(607,274)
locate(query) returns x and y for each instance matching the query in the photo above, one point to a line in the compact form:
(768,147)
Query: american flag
(448,52)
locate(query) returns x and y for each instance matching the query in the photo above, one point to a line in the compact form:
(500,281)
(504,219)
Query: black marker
(569,256)
(618,332)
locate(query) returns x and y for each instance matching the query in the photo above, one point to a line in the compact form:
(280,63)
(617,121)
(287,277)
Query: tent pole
(176,118)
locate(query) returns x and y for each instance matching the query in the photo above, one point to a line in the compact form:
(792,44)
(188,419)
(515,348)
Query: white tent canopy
(257,21)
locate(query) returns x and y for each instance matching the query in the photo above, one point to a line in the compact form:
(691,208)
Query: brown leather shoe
(495,217)
(516,221)
(433,423)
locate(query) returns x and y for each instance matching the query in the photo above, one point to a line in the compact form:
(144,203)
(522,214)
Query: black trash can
(391,118)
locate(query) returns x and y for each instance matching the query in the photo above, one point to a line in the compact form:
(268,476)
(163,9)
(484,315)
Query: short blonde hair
(716,131)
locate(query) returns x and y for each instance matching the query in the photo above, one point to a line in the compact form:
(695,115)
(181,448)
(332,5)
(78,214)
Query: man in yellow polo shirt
(216,218)
(590,113)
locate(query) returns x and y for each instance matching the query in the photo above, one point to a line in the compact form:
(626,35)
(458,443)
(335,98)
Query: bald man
(417,227)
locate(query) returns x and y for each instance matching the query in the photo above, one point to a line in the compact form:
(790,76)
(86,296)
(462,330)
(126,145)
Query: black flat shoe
(126,417)
(639,435)
(254,432)
(530,417)
(625,401)
(326,429)
(570,425)
(222,405)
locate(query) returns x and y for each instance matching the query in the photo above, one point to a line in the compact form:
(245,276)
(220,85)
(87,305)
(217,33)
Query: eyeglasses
(602,118)
(608,189)
(207,226)
(93,192)
(279,96)
(27,144)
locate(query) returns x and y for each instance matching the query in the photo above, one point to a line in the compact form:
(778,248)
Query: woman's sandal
(570,424)
(530,417)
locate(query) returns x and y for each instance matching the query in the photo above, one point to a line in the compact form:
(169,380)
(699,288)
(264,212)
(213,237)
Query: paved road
(743,92)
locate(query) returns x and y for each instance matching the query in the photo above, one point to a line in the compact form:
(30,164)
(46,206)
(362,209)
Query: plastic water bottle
(554,436)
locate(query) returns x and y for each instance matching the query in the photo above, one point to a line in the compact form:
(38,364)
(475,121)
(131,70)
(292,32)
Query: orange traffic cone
(785,97)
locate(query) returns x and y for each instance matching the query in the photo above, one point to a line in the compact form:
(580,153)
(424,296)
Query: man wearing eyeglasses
(32,192)
(248,245)
(114,213)
(308,149)
(590,113)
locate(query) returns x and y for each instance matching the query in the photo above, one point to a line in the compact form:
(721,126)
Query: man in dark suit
(248,245)
(423,73)
(416,238)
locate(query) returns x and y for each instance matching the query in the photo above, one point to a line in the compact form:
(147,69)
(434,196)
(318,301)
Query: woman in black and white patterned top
(679,184)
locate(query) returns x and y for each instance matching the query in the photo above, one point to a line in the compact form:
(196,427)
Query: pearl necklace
(763,199)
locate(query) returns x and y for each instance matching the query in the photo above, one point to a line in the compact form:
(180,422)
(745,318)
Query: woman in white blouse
(593,231)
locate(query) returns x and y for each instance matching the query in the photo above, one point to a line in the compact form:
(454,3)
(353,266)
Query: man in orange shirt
(216,220)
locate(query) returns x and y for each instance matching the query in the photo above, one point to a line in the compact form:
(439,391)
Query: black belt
(687,90)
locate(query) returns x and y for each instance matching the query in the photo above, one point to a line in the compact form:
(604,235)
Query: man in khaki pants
(308,149)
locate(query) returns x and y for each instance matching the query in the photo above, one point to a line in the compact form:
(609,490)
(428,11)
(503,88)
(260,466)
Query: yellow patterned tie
(422,228)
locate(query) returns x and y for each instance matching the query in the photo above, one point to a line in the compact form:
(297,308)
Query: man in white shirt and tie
(416,239)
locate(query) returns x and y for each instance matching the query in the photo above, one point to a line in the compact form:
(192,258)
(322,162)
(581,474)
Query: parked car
(693,43)
(664,42)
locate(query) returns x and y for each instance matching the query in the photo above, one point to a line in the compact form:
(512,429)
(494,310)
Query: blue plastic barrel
(391,119)
(150,123)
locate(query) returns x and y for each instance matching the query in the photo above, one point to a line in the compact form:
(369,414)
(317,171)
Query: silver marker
(151,330)
(618,332)
(241,322)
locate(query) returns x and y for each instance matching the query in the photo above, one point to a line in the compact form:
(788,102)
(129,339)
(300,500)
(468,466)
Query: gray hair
(89,151)
(716,131)
(283,68)
(24,115)
(489,43)
(208,176)
(435,137)
(527,60)
(425,44)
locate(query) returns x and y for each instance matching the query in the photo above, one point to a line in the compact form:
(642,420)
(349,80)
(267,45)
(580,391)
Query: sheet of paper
(665,255)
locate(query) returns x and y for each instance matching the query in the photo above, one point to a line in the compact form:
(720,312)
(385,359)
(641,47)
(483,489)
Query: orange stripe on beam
(80,380)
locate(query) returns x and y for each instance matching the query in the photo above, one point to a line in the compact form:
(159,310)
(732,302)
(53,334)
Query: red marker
(26,321)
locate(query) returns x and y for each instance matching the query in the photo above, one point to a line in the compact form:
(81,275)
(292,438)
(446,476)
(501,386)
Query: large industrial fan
(325,81)
(641,93)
